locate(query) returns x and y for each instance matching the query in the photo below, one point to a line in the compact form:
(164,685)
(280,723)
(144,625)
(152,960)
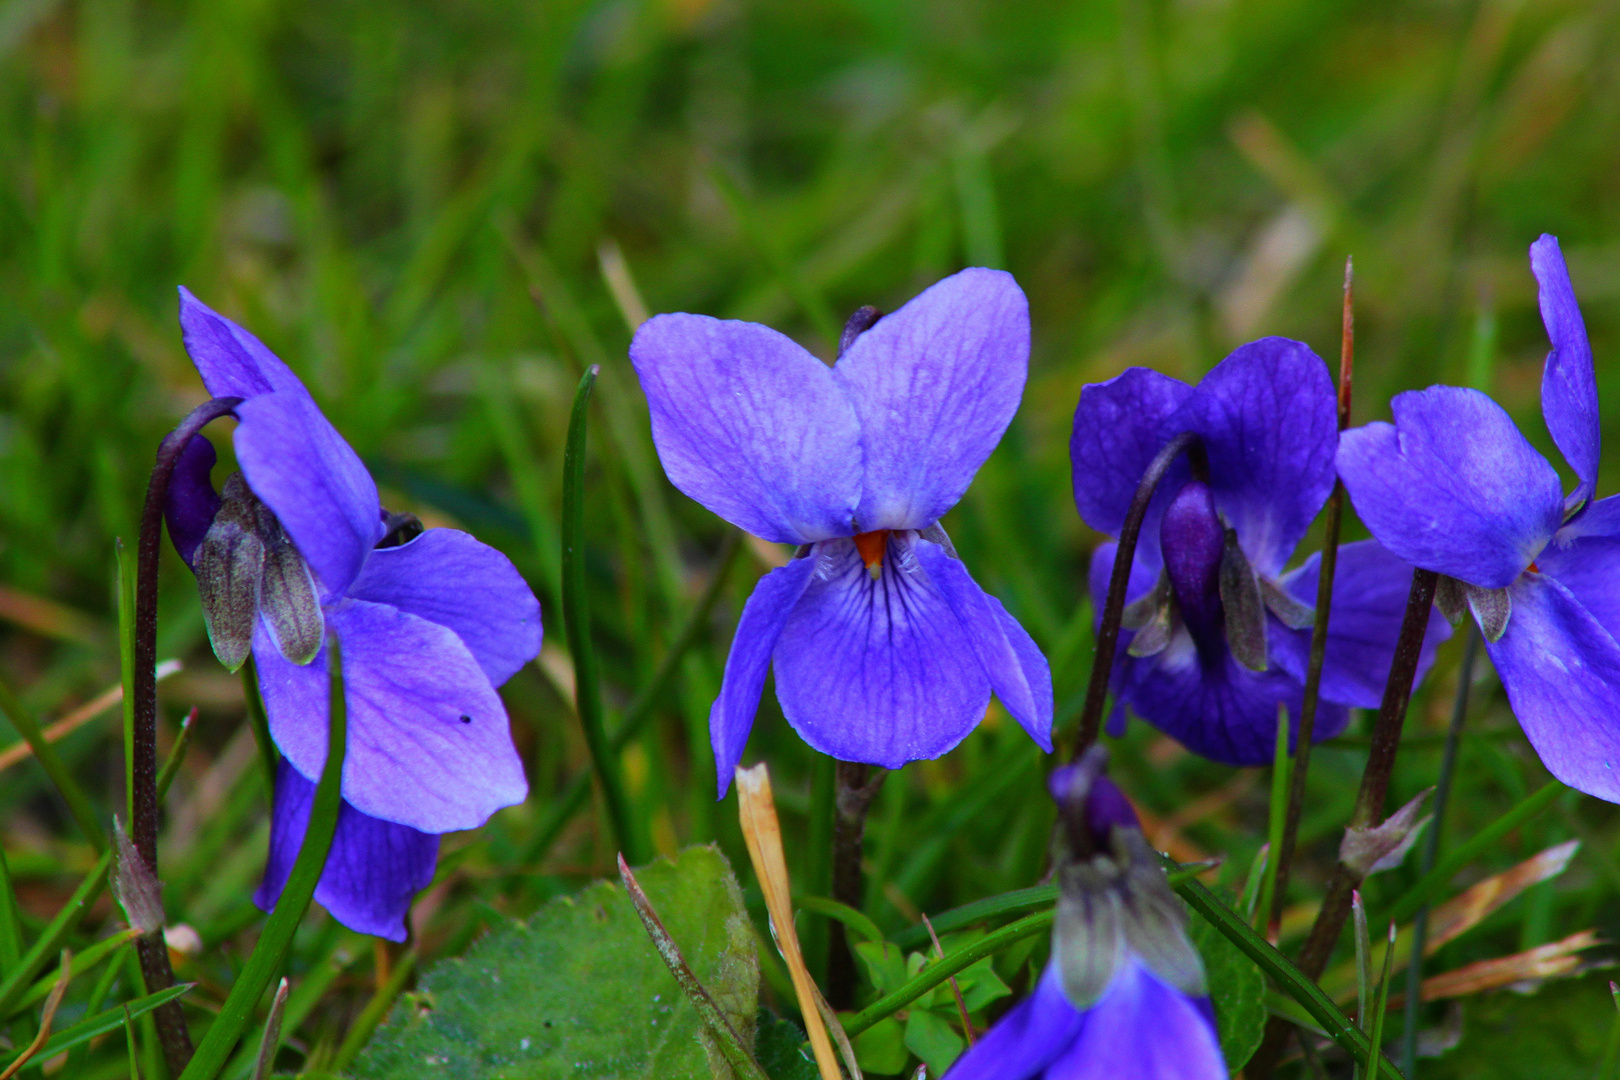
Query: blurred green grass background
(424,209)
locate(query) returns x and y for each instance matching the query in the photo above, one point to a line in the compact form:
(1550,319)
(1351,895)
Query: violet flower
(1124,993)
(1216,635)
(297,546)
(885,649)
(1453,486)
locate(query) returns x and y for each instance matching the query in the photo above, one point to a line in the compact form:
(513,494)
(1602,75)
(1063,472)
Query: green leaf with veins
(578,990)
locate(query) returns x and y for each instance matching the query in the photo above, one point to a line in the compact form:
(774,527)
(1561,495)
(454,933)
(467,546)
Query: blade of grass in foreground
(108,1021)
(273,944)
(577,625)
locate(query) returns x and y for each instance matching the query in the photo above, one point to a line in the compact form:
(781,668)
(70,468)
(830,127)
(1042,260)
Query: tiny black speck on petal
(465,719)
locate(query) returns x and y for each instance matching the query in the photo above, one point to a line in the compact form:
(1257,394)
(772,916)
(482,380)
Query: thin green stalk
(45,949)
(98,997)
(361,1030)
(271,951)
(1435,880)
(177,754)
(11,935)
(260,721)
(1249,902)
(108,1021)
(1431,849)
(1290,979)
(1268,913)
(641,709)
(78,803)
(82,962)
(577,625)
(1375,1038)
(523,467)
(937,972)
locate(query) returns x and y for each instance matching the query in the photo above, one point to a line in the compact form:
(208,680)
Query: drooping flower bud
(246,566)
(1114,901)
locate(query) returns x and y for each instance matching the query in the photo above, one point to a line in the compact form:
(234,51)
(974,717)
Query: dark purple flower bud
(191,502)
(1193,542)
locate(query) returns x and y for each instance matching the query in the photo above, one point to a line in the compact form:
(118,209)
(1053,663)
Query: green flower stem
(271,951)
(577,625)
(1269,910)
(261,723)
(937,972)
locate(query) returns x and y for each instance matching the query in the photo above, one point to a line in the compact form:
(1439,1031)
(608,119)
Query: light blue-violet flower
(297,547)
(1454,487)
(1124,993)
(885,649)
(1216,636)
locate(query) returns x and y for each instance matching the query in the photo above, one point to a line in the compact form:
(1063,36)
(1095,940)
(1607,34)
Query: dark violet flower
(1217,635)
(297,546)
(885,649)
(1124,994)
(1453,486)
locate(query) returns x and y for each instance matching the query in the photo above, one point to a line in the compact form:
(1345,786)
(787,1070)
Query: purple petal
(1600,518)
(1569,400)
(1118,429)
(1032,1035)
(1452,486)
(1561,671)
(1270,428)
(1141,582)
(1018,672)
(750,425)
(731,717)
(299,466)
(1143,1028)
(1219,708)
(429,744)
(1590,569)
(372,873)
(231,361)
(447,577)
(1369,603)
(935,384)
(191,502)
(877,671)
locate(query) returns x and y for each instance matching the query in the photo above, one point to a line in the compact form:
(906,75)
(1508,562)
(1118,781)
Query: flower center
(1191,536)
(871,546)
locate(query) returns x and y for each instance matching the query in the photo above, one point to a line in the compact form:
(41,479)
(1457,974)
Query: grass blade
(366,1023)
(49,941)
(109,1021)
(1281,781)
(271,1041)
(577,625)
(274,942)
(1289,978)
(78,803)
(1375,1037)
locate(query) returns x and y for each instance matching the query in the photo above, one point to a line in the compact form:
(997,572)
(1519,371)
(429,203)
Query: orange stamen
(871,546)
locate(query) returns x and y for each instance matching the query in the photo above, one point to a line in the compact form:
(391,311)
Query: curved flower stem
(1386,739)
(1431,846)
(577,625)
(143,770)
(1284,854)
(857,785)
(1114,608)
